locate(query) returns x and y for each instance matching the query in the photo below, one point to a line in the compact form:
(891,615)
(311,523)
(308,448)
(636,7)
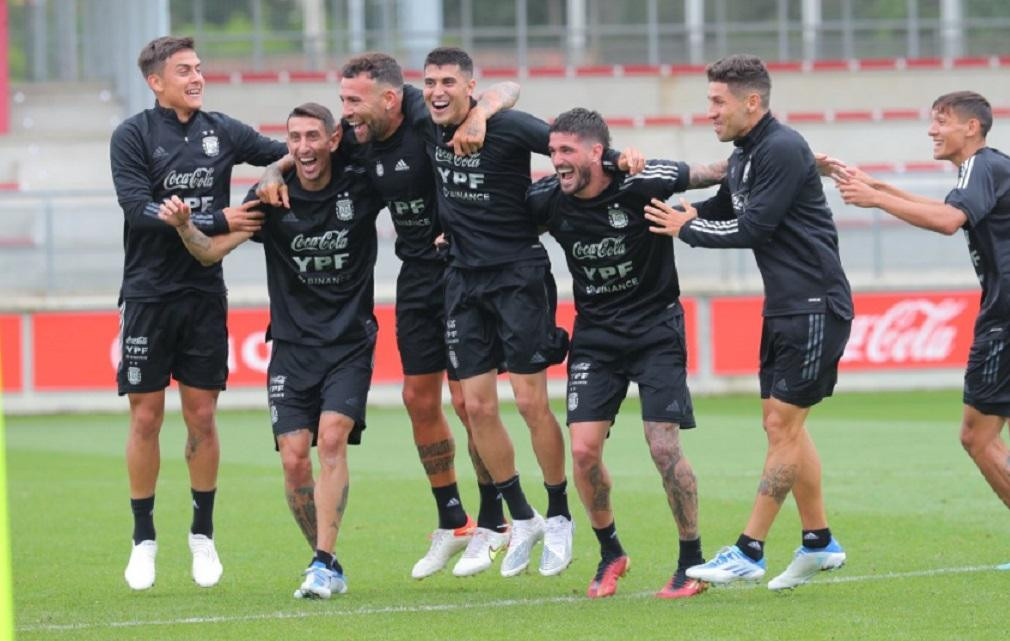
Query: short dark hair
(742,72)
(379,67)
(442,56)
(317,111)
(584,123)
(966,104)
(154,54)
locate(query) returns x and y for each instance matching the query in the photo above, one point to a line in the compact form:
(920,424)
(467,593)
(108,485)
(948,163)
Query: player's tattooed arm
(205,249)
(469,136)
(702,175)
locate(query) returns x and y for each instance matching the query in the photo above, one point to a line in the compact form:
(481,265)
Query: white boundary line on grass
(448,607)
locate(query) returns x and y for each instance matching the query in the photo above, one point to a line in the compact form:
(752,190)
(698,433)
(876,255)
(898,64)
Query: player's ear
(335,138)
(596,151)
(155,82)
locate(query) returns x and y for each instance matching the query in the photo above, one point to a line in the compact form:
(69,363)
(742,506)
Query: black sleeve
(415,112)
(528,131)
(976,191)
(661,178)
(252,147)
(132,180)
(718,207)
(538,198)
(779,171)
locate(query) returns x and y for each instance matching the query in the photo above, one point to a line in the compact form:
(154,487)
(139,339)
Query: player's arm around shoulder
(208,250)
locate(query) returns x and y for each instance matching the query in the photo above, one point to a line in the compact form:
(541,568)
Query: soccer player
(320,258)
(388,119)
(172,308)
(500,300)
(980,205)
(629,327)
(772,201)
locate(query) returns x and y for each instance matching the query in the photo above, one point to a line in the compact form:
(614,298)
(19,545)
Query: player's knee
(532,406)
(297,467)
(480,409)
(585,455)
(972,440)
(332,439)
(146,420)
(423,407)
(459,407)
(199,418)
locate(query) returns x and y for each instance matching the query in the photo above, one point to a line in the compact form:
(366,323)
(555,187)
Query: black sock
(143,519)
(512,492)
(492,511)
(610,545)
(329,560)
(690,554)
(557,500)
(450,508)
(203,513)
(752,548)
(817,539)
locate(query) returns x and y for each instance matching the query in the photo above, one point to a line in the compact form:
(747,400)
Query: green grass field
(922,529)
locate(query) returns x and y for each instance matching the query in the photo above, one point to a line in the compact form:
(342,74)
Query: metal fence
(69,243)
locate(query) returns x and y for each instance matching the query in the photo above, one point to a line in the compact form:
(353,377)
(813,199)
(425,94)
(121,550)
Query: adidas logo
(159,152)
(754,545)
(538,358)
(401,166)
(453,502)
(781,385)
(289,218)
(673,407)
(809,536)
(565,225)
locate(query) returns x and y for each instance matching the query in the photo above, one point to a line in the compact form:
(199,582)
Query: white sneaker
(444,544)
(321,582)
(806,563)
(480,553)
(557,554)
(525,534)
(140,570)
(206,566)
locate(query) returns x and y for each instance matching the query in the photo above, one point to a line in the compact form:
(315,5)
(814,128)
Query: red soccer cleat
(604,584)
(682,586)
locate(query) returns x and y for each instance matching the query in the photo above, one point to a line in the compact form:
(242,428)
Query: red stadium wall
(79,351)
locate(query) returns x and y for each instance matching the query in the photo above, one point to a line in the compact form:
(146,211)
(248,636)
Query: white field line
(449,607)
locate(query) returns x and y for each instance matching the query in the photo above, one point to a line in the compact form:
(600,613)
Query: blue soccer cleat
(806,563)
(728,566)
(321,582)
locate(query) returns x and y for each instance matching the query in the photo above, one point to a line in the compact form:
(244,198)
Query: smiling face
(179,84)
(447,91)
(574,160)
(311,146)
(732,115)
(369,108)
(951,133)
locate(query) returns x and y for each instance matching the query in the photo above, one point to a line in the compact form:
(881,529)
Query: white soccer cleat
(728,566)
(139,572)
(480,553)
(207,567)
(445,543)
(525,534)
(806,563)
(557,553)
(321,582)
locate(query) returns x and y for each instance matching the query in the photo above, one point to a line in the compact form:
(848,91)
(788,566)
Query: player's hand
(245,217)
(857,192)
(631,160)
(469,136)
(831,167)
(668,220)
(174,211)
(272,189)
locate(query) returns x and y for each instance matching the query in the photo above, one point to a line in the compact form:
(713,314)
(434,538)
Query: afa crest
(211,146)
(618,217)
(345,207)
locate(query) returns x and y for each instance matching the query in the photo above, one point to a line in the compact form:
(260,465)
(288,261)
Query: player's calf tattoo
(679,480)
(483,476)
(777,481)
(601,489)
(437,457)
(303,506)
(192,445)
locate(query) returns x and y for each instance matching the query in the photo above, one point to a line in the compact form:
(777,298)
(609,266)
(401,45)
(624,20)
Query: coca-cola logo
(911,330)
(606,248)
(331,240)
(446,156)
(200,177)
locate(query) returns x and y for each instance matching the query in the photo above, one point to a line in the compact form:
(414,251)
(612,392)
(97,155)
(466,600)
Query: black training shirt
(154,156)
(481,197)
(983,194)
(624,276)
(772,201)
(320,259)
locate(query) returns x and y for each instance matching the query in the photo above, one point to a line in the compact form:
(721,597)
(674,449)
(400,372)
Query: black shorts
(503,314)
(420,319)
(303,381)
(799,356)
(185,338)
(987,377)
(602,363)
